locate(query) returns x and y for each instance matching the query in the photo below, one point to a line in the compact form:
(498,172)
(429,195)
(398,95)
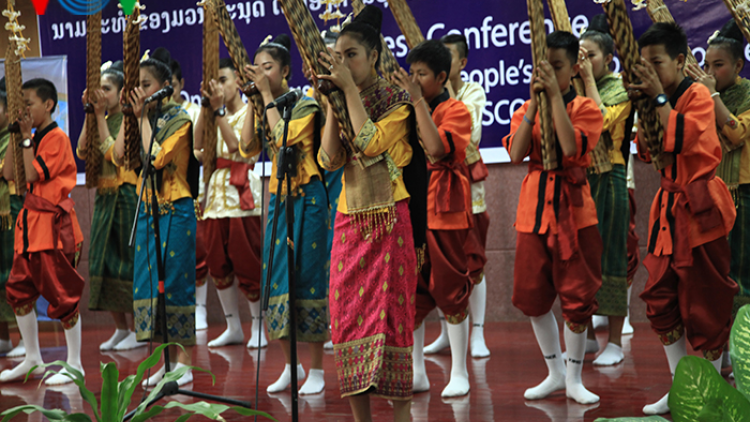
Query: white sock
(29,329)
(315,382)
(592,346)
(548,336)
(201,292)
(18,351)
(257,328)
(157,376)
(626,327)
(477,308)
(118,336)
(6,346)
(129,342)
(233,334)
(459,382)
(286,378)
(73,341)
(612,355)
(599,321)
(575,343)
(442,341)
(421,382)
(186,378)
(717,363)
(328,345)
(675,352)
(726,360)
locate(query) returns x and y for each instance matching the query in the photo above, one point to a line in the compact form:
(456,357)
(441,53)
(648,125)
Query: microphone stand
(286,168)
(148,172)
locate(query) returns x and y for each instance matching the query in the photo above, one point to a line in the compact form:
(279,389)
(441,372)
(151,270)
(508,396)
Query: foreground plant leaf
(739,349)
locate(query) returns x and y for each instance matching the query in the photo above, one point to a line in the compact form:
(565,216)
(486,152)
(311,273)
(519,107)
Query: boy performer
(47,236)
(473,96)
(688,292)
(445,280)
(231,218)
(558,248)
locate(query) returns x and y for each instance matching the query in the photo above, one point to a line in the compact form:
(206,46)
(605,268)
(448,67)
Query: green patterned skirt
(110,257)
(6,258)
(739,239)
(610,194)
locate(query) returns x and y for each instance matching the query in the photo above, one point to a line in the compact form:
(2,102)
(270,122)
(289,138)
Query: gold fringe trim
(374,224)
(6,222)
(421,254)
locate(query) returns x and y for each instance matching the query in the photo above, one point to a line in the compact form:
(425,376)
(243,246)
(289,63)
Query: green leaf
(739,349)
(51,414)
(699,393)
(78,380)
(77,417)
(214,410)
(633,419)
(127,394)
(148,413)
(109,395)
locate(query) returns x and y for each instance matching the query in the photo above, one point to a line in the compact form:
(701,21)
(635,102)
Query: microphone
(290,98)
(161,94)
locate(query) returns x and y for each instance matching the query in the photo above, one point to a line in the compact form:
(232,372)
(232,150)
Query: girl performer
(373,264)
(731,95)
(176,172)
(270,73)
(110,257)
(609,189)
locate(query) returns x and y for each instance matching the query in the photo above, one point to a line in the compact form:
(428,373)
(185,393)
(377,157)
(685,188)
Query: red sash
(695,201)
(62,229)
(450,195)
(238,178)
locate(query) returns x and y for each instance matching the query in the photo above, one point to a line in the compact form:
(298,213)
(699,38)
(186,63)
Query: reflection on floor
(497,383)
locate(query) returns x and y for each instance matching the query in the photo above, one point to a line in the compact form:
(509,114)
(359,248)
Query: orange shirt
(691,136)
(539,204)
(449,191)
(57,177)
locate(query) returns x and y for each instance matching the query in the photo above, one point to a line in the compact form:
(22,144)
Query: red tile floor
(497,383)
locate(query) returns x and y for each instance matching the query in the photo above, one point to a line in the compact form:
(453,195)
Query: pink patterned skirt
(372,291)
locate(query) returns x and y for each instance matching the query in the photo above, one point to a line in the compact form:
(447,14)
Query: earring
(285,84)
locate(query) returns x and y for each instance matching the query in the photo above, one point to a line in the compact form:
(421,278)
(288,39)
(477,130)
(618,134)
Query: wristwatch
(26,143)
(220,112)
(660,100)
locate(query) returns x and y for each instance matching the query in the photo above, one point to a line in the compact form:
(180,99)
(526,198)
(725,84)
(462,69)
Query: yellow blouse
(173,156)
(123,175)
(615,118)
(737,135)
(390,134)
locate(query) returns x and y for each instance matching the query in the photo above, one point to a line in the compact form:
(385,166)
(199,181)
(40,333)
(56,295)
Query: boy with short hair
(558,248)
(473,96)
(688,289)
(445,280)
(47,236)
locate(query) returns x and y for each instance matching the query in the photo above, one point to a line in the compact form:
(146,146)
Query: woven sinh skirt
(177,229)
(6,258)
(373,288)
(110,256)
(738,242)
(610,194)
(312,258)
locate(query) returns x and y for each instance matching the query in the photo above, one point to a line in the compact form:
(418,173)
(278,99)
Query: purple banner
(497,30)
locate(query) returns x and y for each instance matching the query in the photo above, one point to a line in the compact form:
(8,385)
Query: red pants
(477,257)
(445,280)
(201,266)
(634,253)
(540,275)
(698,298)
(233,246)
(48,273)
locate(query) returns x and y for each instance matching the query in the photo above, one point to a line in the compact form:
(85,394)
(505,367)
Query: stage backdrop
(497,30)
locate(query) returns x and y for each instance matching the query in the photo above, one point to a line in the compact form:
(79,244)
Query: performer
(10,206)
(110,256)
(231,217)
(445,280)
(47,238)
(688,292)
(201,264)
(634,251)
(473,96)
(176,172)
(374,269)
(724,62)
(270,73)
(609,189)
(558,248)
